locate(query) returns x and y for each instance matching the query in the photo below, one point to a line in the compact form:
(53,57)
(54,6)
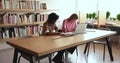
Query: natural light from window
(105,5)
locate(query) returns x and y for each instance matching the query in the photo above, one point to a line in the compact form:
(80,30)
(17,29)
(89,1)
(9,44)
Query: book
(3,4)
(43,6)
(0,19)
(38,17)
(37,5)
(7,4)
(1,7)
(16,32)
(11,32)
(0,34)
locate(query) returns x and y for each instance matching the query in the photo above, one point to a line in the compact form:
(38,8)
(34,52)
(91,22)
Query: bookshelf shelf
(7,25)
(14,38)
(17,10)
(27,10)
(21,24)
(38,22)
(28,24)
(7,39)
(47,10)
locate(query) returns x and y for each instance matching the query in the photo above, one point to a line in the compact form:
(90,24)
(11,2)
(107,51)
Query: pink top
(69,26)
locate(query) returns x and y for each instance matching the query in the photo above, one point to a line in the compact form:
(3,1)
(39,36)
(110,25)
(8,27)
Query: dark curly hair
(52,18)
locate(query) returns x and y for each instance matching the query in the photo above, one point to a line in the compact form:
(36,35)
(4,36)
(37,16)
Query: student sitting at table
(49,27)
(69,25)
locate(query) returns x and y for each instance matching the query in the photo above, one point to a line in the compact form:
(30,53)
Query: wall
(65,8)
(84,7)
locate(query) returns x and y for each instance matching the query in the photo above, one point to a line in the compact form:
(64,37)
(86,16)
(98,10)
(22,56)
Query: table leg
(50,58)
(66,56)
(15,56)
(34,60)
(86,47)
(109,49)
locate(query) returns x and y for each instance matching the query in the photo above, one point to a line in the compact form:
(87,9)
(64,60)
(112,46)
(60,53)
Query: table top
(41,45)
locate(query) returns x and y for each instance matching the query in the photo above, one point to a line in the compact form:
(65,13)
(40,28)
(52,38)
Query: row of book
(20,31)
(15,18)
(22,4)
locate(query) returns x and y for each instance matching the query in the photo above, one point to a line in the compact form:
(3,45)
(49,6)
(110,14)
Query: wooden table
(43,45)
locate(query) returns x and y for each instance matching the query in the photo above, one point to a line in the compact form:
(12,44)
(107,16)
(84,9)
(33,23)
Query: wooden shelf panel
(4,40)
(7,39)
(48,10)
(38,22)
(24,24)
(21,24)
(16,10)
(28,24)
(26,10)
(7,25)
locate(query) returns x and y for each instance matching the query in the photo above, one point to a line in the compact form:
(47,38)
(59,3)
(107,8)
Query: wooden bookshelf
(21,16)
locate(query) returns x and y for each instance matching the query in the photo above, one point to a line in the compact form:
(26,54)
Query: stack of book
(20,31)
(22,4)
(15,18)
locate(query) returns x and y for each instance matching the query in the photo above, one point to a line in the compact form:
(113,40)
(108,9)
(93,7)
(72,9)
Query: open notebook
(81,28)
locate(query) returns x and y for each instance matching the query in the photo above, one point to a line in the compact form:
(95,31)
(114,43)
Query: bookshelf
(21,18)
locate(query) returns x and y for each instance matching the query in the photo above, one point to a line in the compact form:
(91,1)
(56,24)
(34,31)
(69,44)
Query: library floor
(97,57)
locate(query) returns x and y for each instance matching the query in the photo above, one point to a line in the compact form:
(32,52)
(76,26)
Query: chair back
(106,28)
(114,28)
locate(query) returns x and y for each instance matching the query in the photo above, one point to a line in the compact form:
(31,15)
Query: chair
(76,51)
(29,57)
(117,29)
(64,57)
(98,42)
(119,43)
(93,26)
